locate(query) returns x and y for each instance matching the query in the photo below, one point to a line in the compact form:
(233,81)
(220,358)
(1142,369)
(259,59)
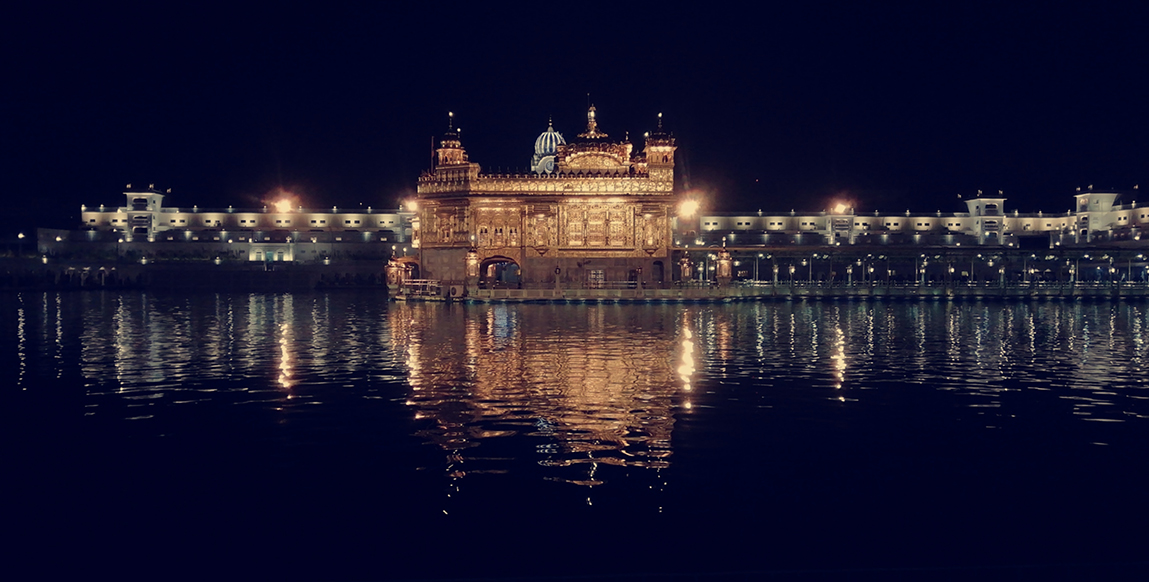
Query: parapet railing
(421,287)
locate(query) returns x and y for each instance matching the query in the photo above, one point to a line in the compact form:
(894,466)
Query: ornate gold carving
(498,227)
(541,230)
(591,185)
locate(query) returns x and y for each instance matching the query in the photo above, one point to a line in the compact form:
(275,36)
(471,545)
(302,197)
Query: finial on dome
(660,121)
(592,131)
(450,121)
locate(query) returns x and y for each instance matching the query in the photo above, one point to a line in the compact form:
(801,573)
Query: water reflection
(601,389)
(566,389)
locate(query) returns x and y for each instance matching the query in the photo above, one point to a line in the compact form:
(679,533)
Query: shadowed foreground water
(335,436)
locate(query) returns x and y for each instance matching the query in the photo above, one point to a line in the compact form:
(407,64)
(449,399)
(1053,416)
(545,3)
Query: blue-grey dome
(546,146)
(548,142)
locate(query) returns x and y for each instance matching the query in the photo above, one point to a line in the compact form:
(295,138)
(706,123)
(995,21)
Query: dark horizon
(894,107)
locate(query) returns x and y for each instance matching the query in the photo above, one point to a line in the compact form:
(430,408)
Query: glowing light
(687,208)
(411,205)
(840,208)
(281,199)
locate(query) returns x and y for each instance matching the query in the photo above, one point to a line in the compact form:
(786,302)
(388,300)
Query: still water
(336,436)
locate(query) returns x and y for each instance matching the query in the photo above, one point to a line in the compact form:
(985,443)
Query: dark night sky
(896,106)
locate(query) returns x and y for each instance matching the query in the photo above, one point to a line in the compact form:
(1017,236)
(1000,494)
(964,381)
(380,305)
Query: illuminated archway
(499,273)
(402,269)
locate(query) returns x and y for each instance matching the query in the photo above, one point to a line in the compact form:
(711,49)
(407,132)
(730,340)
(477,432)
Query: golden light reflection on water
(285,344)
(838,358)
(686,367)
(603,392)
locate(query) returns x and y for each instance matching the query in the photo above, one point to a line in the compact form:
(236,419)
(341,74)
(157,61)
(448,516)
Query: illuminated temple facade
(590,212)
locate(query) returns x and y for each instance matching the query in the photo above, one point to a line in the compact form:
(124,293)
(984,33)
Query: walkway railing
(421,288)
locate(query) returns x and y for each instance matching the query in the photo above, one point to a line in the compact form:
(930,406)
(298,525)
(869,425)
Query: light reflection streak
(122,332)
(286,340)
(686,367)
(58,358)
(21,342)
(838,357)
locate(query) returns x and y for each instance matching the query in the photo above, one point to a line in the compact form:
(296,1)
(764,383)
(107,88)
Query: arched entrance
(499,273)
(401,270)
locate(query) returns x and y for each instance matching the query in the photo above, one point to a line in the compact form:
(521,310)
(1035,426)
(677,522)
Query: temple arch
(499,272)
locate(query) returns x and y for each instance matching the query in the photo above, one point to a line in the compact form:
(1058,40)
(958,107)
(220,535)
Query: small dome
(548,142)
(546,146)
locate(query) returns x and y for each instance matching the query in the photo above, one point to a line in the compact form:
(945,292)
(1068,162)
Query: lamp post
(20,245)
(1077,269)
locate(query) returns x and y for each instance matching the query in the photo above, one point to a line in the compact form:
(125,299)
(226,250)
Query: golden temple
(592,212)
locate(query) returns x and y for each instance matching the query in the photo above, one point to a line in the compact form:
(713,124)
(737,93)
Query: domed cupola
(547,144)
(450,150)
